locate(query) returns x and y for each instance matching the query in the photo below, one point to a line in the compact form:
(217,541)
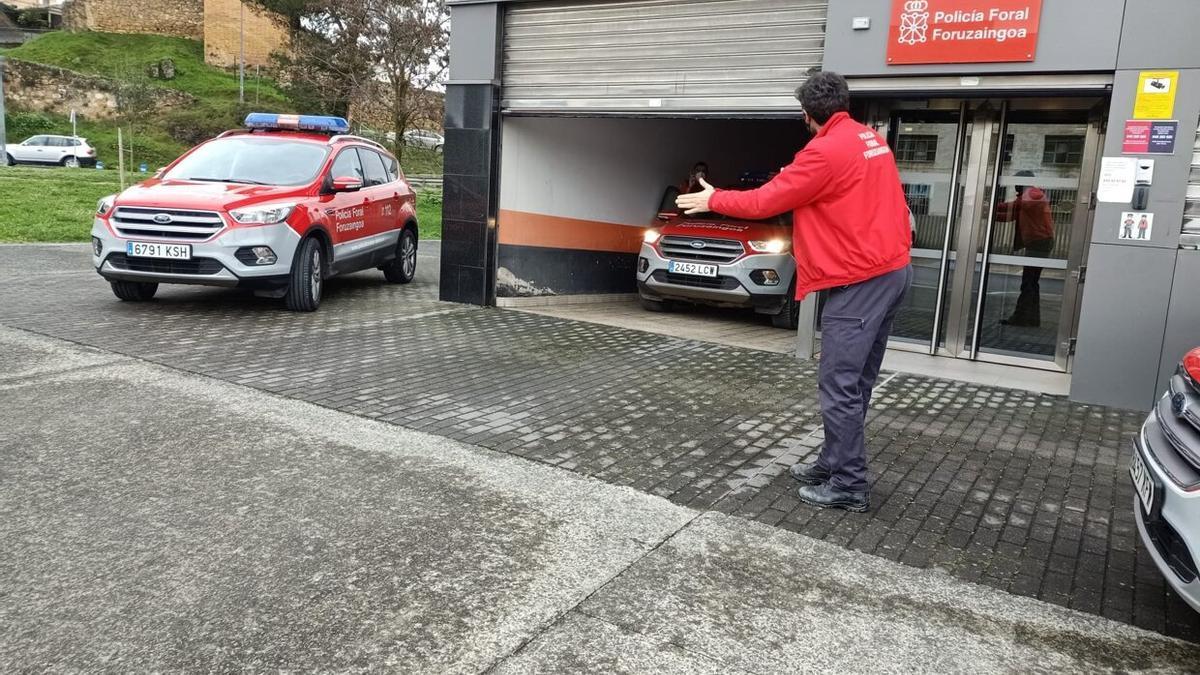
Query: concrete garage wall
(576,193)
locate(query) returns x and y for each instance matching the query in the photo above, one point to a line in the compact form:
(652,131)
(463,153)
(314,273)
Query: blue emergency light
(321,123)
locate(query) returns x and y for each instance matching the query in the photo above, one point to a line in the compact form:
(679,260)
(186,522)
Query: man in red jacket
(851,236)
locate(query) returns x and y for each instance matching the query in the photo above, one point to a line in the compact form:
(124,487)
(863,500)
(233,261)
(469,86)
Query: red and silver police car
(277,207)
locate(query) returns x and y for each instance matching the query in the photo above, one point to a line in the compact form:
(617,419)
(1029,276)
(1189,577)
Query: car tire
(789,316)
(437,148)
(9,160)
(654,305)
(307,279)
(71,162)
(403,268)
(134,291)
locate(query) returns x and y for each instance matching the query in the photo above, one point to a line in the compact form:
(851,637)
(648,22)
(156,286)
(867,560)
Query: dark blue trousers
(854,332)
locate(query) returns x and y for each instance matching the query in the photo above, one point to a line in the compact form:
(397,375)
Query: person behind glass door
(1034,234)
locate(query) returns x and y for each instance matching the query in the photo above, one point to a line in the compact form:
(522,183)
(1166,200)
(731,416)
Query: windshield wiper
(244,181)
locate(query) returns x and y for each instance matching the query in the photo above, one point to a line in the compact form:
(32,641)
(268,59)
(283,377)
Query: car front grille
(1172,548)
(701,249)
(195,266)
(720,283)
(184,225)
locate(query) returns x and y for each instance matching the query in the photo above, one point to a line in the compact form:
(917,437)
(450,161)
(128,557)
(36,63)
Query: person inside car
(694,182)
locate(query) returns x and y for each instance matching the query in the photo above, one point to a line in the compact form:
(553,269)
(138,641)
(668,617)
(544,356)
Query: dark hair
(823,94)
(703,164)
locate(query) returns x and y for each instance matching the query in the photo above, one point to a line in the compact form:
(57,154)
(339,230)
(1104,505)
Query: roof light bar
(332,125)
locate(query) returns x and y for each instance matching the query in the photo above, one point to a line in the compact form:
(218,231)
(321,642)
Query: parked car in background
(709,259)
(420,138)
(71,151)
(1165,470)
(278,207)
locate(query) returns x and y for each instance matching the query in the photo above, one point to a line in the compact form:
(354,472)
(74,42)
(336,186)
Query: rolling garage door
(660,57)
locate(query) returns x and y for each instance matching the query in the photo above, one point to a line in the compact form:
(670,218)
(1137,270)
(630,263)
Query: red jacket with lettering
(850,219)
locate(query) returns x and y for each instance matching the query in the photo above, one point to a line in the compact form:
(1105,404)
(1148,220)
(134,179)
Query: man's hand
(696,202)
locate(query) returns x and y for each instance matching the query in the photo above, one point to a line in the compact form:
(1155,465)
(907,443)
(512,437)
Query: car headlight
(105,204)
(651,236)
(769,246)
(265,215)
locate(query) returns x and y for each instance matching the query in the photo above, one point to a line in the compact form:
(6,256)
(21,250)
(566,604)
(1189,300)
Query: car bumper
(87,161)
(1171,534)
(214,262)
(736,284)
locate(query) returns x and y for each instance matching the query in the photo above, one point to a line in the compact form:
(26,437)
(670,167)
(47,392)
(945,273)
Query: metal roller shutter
(1191,205)
(660,57)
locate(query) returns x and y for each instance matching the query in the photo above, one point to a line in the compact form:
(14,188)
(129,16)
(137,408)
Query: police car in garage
(1165,470)
(278,207)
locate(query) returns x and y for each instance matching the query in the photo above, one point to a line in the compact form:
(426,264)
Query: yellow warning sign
(1155,94)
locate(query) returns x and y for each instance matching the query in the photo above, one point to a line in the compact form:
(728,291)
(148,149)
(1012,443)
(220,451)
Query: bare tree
(366,52)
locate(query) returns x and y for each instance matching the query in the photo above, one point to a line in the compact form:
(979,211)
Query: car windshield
(252,160)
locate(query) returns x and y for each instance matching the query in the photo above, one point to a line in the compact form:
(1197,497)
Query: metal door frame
(961,316)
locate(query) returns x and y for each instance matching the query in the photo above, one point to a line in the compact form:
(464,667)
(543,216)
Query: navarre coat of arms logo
(914,22)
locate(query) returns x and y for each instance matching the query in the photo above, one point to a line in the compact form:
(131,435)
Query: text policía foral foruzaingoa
(993,15)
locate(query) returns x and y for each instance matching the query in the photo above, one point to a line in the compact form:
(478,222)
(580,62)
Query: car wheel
(71,162)
(134,291)
(789,316)
(307,278)
(9,160)
(654,305)
(403,267)
(437,148)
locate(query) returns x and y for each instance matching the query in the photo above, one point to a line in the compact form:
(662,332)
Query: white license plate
(142,249)
(1142,481)
(695,269)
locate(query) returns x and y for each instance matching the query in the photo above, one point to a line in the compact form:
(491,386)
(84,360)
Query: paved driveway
(1023,492)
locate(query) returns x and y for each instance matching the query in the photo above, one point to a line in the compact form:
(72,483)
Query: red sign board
(963,31)
(1137,137)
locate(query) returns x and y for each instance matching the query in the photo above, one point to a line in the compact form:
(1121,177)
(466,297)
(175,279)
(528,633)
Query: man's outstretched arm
(801,182)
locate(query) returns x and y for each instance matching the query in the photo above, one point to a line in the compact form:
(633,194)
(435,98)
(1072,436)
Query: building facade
(1047,148)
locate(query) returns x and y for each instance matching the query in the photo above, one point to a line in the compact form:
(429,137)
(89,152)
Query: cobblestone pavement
(1019,491)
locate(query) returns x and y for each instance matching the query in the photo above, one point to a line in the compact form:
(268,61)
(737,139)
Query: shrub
(20,125)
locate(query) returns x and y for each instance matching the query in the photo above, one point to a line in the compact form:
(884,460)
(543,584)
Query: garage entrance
(603,106)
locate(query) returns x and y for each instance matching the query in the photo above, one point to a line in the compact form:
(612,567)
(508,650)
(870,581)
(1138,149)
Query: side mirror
(346,184)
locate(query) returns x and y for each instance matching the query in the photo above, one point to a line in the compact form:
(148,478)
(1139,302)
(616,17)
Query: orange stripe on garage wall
(518,228)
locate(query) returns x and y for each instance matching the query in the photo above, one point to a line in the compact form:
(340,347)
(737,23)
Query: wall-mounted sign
(1149,138)
(1155,95)
(1135,226)
(963,31)
(1116,179)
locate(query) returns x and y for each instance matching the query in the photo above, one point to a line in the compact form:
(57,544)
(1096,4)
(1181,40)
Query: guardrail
(426,182)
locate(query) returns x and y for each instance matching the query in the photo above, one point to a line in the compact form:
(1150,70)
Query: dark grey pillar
(471,185)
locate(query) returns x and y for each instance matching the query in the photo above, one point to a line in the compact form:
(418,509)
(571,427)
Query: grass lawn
(48,205)
(56,205)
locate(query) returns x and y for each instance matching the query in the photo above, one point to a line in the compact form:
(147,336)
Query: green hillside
(121,56)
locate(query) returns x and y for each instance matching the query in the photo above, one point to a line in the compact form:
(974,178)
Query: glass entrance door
(1005,187)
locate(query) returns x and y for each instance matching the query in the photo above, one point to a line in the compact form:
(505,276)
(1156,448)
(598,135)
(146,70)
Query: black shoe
(809,474)
(827,497)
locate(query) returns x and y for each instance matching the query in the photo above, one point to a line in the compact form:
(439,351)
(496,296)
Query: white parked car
(69,151)
(419,138)
(1165,469)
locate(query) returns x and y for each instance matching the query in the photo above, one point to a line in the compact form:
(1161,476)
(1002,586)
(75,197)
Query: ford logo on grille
(698,244)
(162,218)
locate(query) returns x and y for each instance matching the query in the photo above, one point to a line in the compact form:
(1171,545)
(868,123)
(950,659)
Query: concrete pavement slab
(752,598)
(159,521)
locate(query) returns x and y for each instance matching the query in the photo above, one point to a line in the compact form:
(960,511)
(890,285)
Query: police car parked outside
(278,207)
